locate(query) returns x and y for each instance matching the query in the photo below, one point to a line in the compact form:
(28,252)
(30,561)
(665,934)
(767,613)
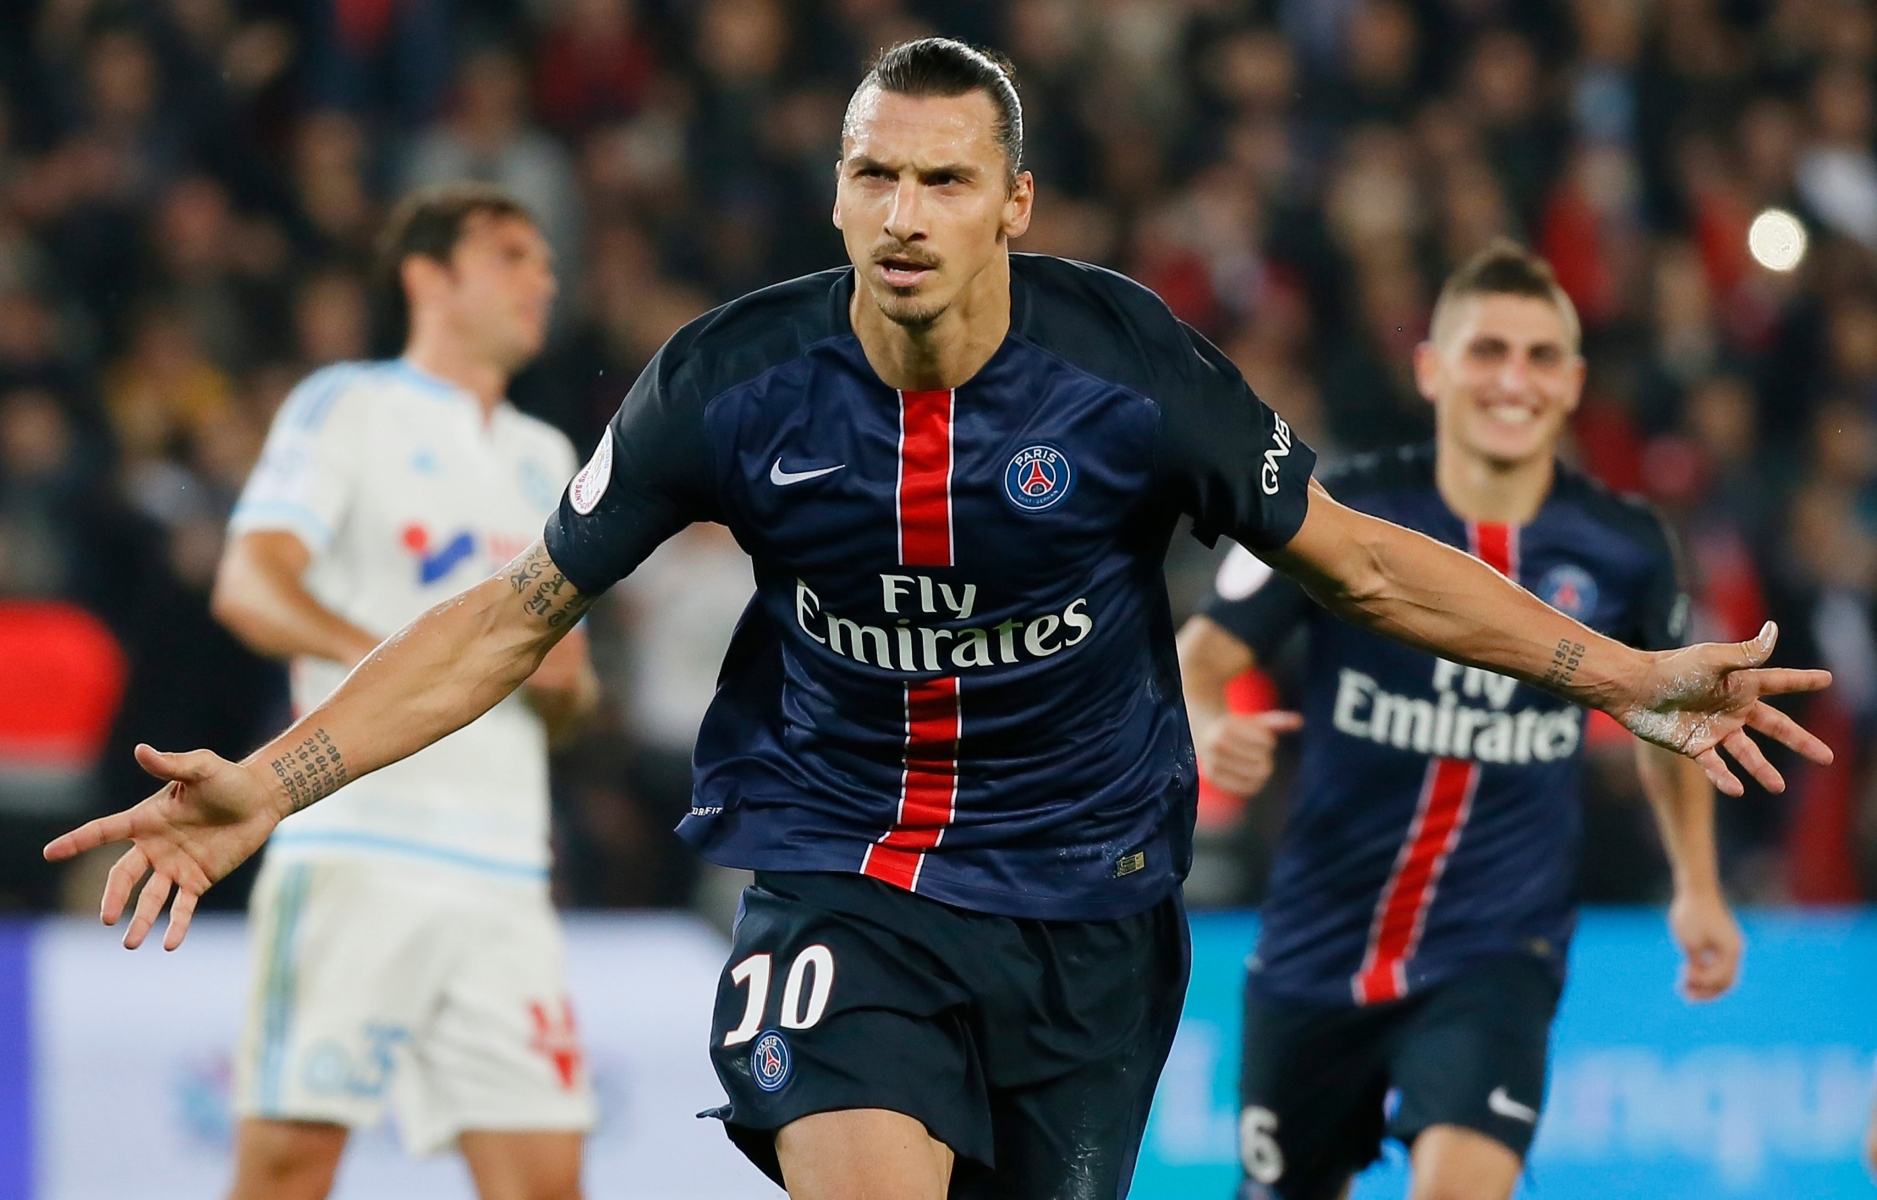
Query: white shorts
(438,992)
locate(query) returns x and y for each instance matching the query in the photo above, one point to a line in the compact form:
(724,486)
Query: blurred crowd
(189,190)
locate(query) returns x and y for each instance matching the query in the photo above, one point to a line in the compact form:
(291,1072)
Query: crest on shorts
(1038,477)
(1569,589)
(769,1061)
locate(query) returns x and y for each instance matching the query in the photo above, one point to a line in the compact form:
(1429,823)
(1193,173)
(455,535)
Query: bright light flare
(1776,240)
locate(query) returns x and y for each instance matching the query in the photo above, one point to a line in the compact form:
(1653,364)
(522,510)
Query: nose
(903,220)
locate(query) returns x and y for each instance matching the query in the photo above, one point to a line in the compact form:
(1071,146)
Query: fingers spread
(1788,732)
(118,884)
(149,906)
(1747,753)
(1779,681)
(89,836)
(1717,772)
(180,914)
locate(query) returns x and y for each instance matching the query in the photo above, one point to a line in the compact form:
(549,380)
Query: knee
(284,1169)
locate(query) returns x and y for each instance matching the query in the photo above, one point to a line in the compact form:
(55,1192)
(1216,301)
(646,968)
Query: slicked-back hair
(936,66)
(1504,268)
(428,222)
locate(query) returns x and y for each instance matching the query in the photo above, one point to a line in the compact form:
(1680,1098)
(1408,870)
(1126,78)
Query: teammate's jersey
(1435,816)
(957,674)
(405,496)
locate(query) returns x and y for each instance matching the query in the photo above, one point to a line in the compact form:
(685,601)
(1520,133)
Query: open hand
(209,817)
(1702,698)
(1238,750)
(1710,944)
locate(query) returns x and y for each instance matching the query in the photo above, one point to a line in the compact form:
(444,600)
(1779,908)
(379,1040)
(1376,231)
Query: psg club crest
(1038,477)
(1569,589)
(769,1061)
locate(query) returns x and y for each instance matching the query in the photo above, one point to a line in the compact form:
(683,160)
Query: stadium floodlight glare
(1776,240)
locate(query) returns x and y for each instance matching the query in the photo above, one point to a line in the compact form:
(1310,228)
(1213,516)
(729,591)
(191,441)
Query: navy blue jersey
(1435,818)
(957,673)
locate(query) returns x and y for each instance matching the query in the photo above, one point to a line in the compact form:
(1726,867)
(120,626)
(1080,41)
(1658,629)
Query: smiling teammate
(948,736)
(1422,900)
(406,950)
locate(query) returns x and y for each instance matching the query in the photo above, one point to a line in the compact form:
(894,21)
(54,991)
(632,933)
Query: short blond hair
(1504,268)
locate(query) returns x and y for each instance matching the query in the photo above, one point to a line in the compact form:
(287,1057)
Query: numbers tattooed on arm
(311,771)
(1565,660)
(545,592)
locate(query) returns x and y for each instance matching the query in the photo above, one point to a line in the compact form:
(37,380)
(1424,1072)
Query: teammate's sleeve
(1661,617)
(1258,606)
(308,467)
(649,477)
(1233,465)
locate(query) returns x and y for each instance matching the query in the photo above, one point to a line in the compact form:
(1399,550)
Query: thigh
(1311,1087)
(862,1154)
(342,976)
(1101,1013)
(821,1009)
(502,1052)
(1474,1054)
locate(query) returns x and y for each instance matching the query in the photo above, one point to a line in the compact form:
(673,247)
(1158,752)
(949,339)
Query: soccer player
(1421,903)
(405,947)
(949,736)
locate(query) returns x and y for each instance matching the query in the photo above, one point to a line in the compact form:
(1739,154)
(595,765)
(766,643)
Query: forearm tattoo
(310,771)
(545,591)
(1565,660)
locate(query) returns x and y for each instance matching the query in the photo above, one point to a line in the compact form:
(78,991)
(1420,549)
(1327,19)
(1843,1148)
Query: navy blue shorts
(1031,1048)
(1315,1089)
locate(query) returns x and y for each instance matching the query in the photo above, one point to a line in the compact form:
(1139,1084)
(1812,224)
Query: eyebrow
(864,162)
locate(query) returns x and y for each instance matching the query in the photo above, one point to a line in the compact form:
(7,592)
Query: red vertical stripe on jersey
(929,787)
(925,479)
(1439,819)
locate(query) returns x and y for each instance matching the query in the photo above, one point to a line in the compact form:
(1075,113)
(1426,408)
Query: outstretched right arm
(429,679)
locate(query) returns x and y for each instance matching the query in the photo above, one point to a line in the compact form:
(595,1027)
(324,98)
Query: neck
(1478,488)
(435,353)
(950,350)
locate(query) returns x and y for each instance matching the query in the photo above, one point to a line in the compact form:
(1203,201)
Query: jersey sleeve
(308,467)
(1661,617)
(1232,464)
(1256,604)
(649,477)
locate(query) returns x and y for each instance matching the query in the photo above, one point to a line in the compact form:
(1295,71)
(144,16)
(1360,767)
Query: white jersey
(406,496)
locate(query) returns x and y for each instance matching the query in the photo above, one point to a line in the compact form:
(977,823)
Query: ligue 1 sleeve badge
(769,1061)
(588,486)
(1038,477)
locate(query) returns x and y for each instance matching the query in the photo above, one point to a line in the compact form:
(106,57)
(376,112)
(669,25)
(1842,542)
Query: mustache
(906,254)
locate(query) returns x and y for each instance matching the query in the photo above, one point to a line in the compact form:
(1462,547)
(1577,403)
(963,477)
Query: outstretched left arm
(1418,591)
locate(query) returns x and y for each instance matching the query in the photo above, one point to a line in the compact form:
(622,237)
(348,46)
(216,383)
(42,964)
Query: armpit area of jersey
(957,674)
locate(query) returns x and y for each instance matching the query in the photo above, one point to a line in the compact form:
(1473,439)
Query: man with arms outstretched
(405,947)
(1414,939)
(948,736)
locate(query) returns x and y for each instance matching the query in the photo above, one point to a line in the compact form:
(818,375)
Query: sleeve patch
(590,484)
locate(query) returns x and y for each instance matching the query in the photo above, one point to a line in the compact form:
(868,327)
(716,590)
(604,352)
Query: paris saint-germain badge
(1570,589)
(769,1061)
(1038,477)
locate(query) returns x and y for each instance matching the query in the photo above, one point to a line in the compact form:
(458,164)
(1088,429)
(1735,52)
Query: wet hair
(1504,268)
(428,222)
(936,66)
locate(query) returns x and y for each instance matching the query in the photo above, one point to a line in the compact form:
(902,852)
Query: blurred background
(189,188)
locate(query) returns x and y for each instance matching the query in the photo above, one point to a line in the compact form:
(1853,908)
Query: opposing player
(1422,901)
(949,736)
(405,947)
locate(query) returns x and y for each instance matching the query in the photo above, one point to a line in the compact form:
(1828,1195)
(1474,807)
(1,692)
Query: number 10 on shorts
(797,1012)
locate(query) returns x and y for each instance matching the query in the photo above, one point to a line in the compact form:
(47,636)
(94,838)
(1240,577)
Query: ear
(421,276)
(1018,205)
(1576,393)
(1427,371)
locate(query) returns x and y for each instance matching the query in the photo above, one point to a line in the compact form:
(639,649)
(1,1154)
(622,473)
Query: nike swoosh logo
(1506,1106)
(782,478)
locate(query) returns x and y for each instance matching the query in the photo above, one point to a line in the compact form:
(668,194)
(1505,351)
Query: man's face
(1503,378)
(924,201)
(499,288)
